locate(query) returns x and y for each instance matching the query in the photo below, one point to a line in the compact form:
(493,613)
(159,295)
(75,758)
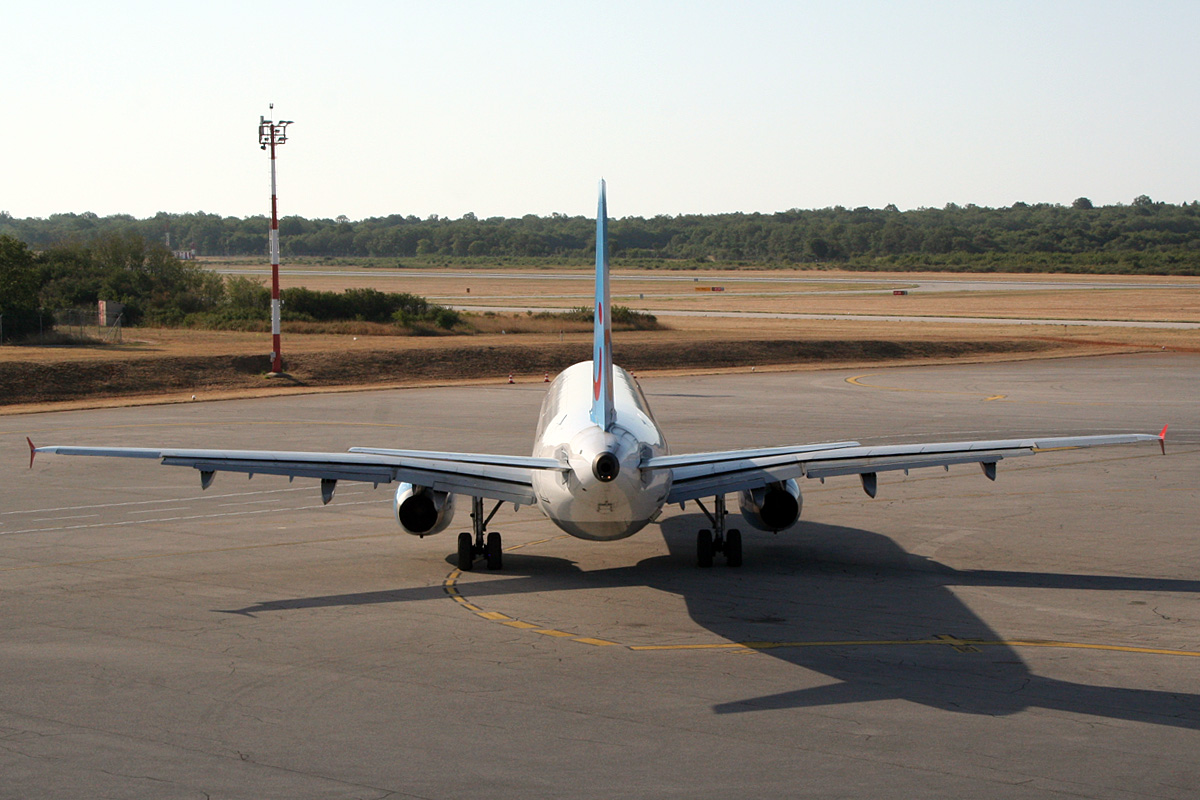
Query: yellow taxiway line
(961,645)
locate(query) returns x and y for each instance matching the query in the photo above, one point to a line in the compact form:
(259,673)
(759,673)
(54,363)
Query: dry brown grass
(156,342)
(1178,300)
(521,330)
(525,324)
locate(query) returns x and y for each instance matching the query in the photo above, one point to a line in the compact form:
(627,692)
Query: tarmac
(1034,637)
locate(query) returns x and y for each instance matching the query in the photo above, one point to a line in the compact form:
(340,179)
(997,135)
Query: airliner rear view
(600,467)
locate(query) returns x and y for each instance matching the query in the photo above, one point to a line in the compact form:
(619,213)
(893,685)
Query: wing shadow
(826,583)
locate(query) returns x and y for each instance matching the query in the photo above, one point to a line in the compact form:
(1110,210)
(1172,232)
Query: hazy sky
(511,108)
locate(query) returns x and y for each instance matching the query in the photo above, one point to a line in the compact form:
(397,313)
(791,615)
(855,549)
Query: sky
(514,108)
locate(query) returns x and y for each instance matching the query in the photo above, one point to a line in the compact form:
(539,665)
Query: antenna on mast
(271,134)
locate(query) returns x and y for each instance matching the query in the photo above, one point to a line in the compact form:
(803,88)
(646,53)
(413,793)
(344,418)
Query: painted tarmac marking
(77,516)
(959,644)
(857,380)
(207,551)
(123,523)
(450,586)
(155,502)
(214,424)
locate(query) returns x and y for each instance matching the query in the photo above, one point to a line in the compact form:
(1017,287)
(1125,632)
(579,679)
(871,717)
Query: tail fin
(602,360)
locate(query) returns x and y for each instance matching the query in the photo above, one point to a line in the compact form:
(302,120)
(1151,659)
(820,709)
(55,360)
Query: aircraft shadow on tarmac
(831,584)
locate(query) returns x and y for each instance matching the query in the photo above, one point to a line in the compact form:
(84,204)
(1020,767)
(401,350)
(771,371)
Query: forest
(1143,237)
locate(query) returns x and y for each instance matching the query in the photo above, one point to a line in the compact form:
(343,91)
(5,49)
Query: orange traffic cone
(510,380)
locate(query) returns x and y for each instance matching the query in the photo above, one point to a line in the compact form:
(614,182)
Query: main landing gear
(718,540)
(479,544)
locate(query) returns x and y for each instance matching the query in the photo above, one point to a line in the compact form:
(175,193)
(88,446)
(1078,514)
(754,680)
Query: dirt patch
(32,382)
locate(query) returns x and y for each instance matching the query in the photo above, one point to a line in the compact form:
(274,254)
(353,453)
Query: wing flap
(291,469)
(706,474)
(859,466)
(705,459)
(506,478)
(722,483)
(528,462)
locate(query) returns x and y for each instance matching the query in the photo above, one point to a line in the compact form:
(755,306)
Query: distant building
(110,312)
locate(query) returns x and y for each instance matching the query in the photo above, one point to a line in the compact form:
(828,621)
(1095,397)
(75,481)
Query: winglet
(602,360)
(32,451)
(1162,439)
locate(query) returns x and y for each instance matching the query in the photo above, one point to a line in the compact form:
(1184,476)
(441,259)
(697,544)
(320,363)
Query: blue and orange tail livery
(602,359)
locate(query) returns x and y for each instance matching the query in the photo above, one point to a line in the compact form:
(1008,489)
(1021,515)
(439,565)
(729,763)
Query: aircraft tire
(466,552)
(733,548)
(495,551)
(704,548)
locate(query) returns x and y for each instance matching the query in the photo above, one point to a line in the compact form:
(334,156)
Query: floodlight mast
(271,134)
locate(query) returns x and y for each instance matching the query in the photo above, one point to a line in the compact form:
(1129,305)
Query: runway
(921,282)
(1037,636)
(752,315)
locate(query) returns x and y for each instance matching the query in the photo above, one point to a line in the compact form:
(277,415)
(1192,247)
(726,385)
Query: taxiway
(1035,637)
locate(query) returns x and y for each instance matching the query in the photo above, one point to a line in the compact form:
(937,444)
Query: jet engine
(772,507)
(422,511)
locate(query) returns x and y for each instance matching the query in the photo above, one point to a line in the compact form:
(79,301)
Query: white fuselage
(578,501)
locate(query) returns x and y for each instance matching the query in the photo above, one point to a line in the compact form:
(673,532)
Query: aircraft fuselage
(605,495)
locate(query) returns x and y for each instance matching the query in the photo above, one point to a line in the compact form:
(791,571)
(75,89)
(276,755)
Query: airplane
(600,468)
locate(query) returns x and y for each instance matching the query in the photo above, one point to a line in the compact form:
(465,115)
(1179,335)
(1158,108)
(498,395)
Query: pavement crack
(1165,616)
(134,777)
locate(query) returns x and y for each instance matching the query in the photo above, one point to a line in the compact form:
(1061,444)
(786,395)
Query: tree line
(1143,236)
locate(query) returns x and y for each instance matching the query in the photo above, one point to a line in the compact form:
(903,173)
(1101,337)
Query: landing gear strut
(488,545)
(718,540)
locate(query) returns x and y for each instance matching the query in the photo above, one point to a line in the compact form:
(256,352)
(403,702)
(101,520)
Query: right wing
(499,477)
(706,474)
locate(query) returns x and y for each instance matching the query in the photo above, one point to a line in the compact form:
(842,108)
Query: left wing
(706,474)
(499,477)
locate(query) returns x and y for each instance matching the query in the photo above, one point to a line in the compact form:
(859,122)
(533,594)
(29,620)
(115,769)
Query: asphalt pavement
(1034,637)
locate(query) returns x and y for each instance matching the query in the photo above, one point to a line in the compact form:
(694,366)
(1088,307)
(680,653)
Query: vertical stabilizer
(602,360)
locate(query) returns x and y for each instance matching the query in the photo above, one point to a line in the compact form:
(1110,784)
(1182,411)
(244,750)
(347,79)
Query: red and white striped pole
(270,134)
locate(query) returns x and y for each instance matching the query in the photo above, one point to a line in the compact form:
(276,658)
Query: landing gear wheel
(466,552)
(733,547)
(704,548)
(494,551)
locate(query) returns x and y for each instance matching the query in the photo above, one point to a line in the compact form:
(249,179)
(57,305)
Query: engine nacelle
(422,511)
(773,507)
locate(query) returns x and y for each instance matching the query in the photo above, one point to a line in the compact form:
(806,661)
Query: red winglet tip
(32,451)
(1162,439)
